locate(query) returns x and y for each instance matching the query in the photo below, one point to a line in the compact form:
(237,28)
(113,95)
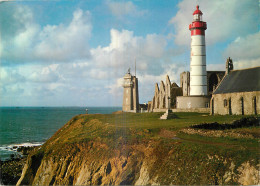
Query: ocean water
(32,126)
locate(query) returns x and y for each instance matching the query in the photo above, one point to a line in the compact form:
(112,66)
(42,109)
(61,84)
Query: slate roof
(245,80)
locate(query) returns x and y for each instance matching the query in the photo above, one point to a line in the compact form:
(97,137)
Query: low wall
(191,102)
(159,110)
(200,110)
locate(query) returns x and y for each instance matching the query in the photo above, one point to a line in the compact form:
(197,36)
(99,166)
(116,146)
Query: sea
(32,126)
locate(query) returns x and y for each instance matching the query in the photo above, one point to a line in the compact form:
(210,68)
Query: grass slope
(177,153)
(131,128)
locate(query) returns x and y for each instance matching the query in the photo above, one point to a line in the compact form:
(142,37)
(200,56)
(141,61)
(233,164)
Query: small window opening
(225,103)
(229,107)
(254,104)
(242,105)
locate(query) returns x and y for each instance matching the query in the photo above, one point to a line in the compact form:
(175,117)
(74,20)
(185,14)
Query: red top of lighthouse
(197,11)
(197,27)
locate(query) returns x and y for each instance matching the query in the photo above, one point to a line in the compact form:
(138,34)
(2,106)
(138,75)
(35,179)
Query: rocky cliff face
(108,158)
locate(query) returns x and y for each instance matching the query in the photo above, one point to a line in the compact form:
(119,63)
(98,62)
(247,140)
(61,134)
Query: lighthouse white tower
(198,73)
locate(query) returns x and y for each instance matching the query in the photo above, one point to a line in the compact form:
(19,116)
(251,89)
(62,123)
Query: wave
(14,147)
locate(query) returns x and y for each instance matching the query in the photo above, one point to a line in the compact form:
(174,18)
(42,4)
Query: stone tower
(229,65)
(131,96)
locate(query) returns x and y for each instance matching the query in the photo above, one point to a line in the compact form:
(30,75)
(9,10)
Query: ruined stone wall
(245,103)
(167,92)
(185,83)
(165,96)
(162,95)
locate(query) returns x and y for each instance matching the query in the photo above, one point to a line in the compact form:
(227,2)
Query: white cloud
(9,76)
(241,64)
(225,19)
(66,42)
(216,67)
(45,75)
(116,89)
(51,43)
(244,47)
(120,9)
(124,48)
(244,51)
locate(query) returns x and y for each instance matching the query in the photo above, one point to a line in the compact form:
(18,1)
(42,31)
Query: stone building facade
(240,103)
(165,96)
(130,96)
(238,93)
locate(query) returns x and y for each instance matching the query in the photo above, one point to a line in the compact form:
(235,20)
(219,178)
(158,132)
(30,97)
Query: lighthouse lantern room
(198,73)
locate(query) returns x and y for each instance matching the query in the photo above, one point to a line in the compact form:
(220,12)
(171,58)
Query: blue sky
(75,53)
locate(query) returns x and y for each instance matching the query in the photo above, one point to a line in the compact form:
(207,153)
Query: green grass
(151,120)
(102,136)
(130,128)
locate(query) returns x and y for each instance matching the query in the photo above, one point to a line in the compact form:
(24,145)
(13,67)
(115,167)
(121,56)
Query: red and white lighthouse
(198,72)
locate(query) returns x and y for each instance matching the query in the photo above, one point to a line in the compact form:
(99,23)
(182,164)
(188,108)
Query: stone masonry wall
(231,103)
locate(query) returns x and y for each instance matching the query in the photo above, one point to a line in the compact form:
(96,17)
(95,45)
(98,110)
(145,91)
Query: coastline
(18,150)
(11,168)
(23,126)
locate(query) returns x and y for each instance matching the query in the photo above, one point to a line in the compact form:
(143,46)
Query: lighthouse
(198,72)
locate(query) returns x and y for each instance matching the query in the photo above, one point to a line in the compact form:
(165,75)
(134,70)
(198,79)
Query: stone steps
(168,115)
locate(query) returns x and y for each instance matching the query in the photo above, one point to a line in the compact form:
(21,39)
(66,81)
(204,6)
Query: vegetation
(193,157)
(132,128)
(243,122)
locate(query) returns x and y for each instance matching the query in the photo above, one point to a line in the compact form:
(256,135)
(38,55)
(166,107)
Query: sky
(75,53)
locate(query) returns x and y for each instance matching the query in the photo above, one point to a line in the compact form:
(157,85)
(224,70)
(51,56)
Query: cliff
(138,149)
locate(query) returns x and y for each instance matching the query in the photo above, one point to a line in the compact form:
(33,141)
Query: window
(225,103)
(197,17)
(254,105)
(242,105)
(212,106)
(229,107)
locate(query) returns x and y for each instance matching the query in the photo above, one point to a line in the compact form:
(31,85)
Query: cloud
(91,75)
(117,88)
(28,41)
(216,67)
(84,80)
(244,47)
(120,54)
(120,9)
(124,48)
(66,42)
(244,51)
(45,75)
(10,75)
(241,64)
(225,19)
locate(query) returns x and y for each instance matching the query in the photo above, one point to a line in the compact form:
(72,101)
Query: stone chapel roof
(245,80)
